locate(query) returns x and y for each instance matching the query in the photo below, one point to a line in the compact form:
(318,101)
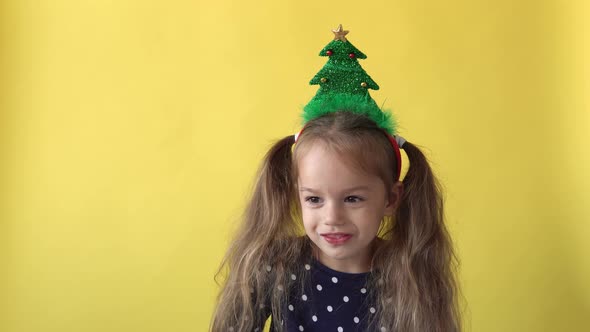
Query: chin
(339,254)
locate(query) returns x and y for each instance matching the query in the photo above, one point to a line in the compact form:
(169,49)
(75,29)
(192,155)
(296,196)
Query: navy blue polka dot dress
(330,301)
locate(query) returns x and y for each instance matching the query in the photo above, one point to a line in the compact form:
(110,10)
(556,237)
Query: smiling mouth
(336,238)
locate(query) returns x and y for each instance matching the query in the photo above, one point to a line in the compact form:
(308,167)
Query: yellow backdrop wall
(131,131)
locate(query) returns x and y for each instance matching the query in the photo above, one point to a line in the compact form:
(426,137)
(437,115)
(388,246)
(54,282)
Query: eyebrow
(346,190)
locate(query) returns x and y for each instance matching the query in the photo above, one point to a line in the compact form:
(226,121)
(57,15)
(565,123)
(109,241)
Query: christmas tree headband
(344,86)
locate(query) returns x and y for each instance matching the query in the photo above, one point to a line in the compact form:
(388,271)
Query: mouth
(336,238)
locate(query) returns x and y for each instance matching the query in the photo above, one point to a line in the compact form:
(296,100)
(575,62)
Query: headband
(344,86)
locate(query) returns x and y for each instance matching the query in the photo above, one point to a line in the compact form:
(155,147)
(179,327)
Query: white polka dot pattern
(340,299)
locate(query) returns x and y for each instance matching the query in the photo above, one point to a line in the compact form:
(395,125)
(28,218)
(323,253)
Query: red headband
(398,155)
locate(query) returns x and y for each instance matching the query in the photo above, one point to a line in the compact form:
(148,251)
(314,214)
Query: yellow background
(131,130)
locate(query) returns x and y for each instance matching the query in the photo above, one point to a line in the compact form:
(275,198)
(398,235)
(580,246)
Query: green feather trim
(360,104)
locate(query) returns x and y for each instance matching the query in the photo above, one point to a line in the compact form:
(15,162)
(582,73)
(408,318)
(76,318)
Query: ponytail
(429,258)
(422,203)
(262,250)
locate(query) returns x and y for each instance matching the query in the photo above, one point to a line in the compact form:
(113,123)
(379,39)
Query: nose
(333,214)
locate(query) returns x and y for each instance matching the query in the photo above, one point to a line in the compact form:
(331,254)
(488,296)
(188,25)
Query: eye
(312,199)
(353,199)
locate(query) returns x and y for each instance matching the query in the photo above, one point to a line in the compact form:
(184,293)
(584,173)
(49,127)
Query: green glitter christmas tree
(344,84)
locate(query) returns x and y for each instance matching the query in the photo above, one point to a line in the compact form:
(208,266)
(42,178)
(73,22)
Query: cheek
(371,222)
(309,222)
(307,218)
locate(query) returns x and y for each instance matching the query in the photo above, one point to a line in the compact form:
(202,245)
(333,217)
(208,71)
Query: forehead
(322,168)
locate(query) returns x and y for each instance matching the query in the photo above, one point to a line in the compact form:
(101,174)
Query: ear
(394,198)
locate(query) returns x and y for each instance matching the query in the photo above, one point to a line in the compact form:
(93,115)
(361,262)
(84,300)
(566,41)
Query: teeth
(336,236)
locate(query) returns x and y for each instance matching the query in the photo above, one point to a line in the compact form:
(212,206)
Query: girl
(370,254)
(331,240)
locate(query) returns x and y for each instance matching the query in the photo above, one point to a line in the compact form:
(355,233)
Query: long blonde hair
(413,267)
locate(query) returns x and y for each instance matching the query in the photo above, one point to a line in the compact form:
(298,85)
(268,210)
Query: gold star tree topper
(340,34)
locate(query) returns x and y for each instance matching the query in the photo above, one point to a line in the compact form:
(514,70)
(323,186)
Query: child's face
(342,208)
